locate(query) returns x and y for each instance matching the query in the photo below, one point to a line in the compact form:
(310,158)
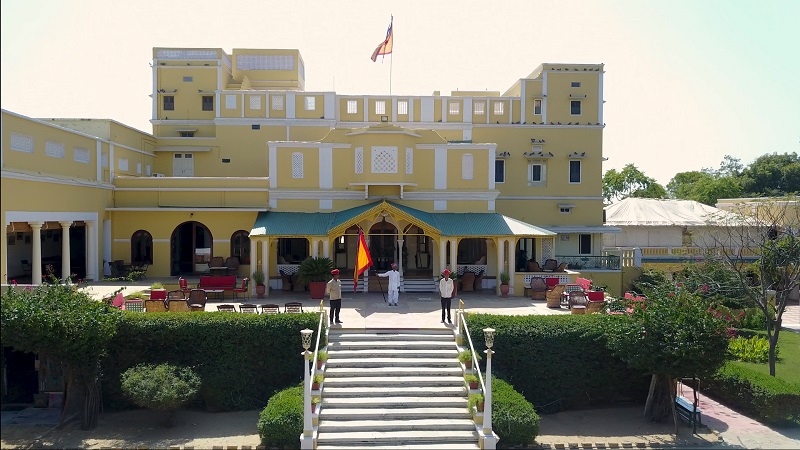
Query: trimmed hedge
(513,418)
(242,359)
(558,362)
(280,424)
(767,398)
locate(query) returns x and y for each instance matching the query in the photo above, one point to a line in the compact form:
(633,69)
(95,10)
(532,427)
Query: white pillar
(314,247)
(454,255)
(66,266)
(400,264)
(36,257)
(442,254)
(489,442)
(307,438)
(107,248)
(254,266)
(512,264)
(499,263)
(326,248)
(265,262)
(92,272)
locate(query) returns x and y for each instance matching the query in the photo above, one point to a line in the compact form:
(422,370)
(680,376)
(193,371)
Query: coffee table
(218,293)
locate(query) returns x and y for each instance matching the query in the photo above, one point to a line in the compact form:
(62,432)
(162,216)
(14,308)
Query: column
(66,270)
(106,248)
(400,263)
(326,248)
(91,251)
(512,264)
(500,245)
(265,263)
(442,254)
(314,248)
(253,265)
(454,256)
(36,257)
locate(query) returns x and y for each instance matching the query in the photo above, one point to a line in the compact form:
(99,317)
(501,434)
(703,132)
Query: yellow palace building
(244,163)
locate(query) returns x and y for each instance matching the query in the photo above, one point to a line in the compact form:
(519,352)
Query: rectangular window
(21,143)
(575,84)
(499,171)
(255,127)
(277,103)
(402,107)
(575,107)
(498,108)
(311,103)
(380,107)
(169,103)
(467,169)
(255,102)
(208,103)
(352,107)
(54,149)
(537,107)
(122,164)
(574,171)
(585,244)
(536,172)
(230,102)
(297,165)
(186,133)
(455,108)
(188,79)
(82,155)
(478,108)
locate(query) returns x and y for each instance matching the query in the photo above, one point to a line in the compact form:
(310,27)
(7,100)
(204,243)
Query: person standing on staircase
(334,291)
(446,292)
(394,284)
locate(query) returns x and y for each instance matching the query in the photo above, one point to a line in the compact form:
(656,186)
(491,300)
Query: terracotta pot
(317,289)
(473,385)
(504,290)
(319,363)
(261,290)
(480,406)
(314,386)
(468,364)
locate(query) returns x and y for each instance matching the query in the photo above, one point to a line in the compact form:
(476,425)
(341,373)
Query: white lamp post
(306,440)
(489,440)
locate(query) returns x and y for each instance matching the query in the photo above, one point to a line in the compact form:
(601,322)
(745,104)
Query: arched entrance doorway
(190,249)
(382,244)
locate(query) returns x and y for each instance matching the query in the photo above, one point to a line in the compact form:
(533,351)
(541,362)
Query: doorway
(382,243)
(190,249)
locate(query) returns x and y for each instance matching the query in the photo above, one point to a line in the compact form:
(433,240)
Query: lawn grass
(788,358)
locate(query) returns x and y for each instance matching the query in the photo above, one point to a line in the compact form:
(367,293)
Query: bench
(685,409)
(217,283)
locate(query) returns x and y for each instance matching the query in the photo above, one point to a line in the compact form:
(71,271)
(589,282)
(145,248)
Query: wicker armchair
(578,302)
(553,296)
(538,288)
(467,282)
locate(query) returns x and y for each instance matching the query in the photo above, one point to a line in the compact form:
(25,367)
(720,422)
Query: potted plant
(505,278)
(322,356)
(315,272)
(475,401)
(317,381)
(314,404)
(258,279)
(472,380)
(465,356)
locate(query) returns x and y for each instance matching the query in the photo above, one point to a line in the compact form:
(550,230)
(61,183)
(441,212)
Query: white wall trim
(440,167)
(49,216)
(46,179)
(326,166)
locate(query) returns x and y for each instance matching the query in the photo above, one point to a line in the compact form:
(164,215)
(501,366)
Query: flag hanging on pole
(363,258)
(386,46)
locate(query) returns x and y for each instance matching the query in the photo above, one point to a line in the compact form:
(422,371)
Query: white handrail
(463,323)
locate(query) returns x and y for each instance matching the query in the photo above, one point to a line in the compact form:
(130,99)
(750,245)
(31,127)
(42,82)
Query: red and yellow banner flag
(363,258)
(386,46)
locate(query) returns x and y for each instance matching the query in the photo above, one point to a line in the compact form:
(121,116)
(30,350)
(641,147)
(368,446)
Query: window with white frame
(139,168)
(537,106)
(352,107)
(575,107)
(585,244)
(409,160)
(537,173)
(311,103)
(402,107)
(455,108)
(54,149)
(230,102)
(277,103)
(467,167)
(359,160)
(255,102)
(384,159)
(122,164)
(575,84)
(21,143)
(498,108)
(81,155)
(297,165)
(380,107)
(499,171)
(575,171)
(479,108)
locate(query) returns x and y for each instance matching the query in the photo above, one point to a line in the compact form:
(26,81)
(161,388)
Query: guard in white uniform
(394,284)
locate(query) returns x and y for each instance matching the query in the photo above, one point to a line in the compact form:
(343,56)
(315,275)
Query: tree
(63,323)
(704,186)
(772,175)
(772,230)
(161,387)
(670,337)
(630,182)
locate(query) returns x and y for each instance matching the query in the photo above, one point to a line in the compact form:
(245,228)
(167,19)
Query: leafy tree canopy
(630,182)
(772,175)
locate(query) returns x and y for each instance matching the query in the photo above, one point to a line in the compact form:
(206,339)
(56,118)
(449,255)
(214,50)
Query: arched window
(141,247)
(240,246)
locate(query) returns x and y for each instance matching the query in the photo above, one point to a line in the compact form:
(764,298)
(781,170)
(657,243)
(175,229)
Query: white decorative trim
(189,209)
(402,132)
(326,166)
(440,205)
(325,204)
(49,216)
(47,179)
(440,167)
(551,197)
(189,189)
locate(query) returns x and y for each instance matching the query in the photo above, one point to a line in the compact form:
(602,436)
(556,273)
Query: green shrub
(474,401)
(753,319)
(753,349)
(766,398)
(161,387)
(280,424)
(513,418)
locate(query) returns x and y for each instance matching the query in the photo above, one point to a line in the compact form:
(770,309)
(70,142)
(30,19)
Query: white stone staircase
(394,389)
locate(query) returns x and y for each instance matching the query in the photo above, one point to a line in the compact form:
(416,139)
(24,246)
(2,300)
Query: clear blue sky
(687,82)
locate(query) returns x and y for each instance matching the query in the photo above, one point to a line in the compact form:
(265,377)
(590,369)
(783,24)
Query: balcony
(584,262)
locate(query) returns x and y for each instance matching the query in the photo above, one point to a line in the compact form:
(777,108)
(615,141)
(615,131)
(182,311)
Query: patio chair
(569,288)
(184,285)
(248,308)
(578,302)
(155,306)
(478,284)
(286,281)
(217,261)
(584,283)
(550,265)
(158,294)
(270,309)
(178,305)
(538,289)
(243,289)
(293,307)
(534,266)
(197,300)
(561,267)
(467,282)
(226,308)
(176,294)
(553,296)
(133,305)
(232,263)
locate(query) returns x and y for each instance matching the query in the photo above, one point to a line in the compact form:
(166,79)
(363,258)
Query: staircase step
(411,391)
(393,344)
(428,424)
(393,402)
(338,372)
(394,381)
(391,362)
(429,446)
(453,412)
(392,353)
(398,437)
(444,335)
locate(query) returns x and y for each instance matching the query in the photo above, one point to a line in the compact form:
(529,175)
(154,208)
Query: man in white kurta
(394,284)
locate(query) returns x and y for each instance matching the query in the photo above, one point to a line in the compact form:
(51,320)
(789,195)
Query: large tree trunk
(661,399)
(81,399)
(773,344)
